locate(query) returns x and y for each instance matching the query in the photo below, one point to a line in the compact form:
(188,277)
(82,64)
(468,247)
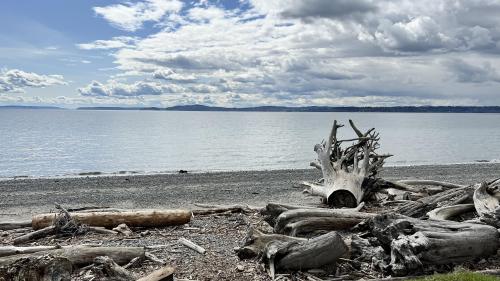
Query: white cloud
(117,89)
(114,43)
(131,16)
(15,80)
(325,52)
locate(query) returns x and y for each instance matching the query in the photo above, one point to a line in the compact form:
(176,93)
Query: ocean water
(69,142)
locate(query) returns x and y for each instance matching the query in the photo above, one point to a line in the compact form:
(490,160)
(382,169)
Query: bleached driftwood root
(143,218)
(415,242)
(347,171)
(289,253)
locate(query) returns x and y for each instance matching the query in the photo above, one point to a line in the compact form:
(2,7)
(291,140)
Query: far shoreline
(122,173)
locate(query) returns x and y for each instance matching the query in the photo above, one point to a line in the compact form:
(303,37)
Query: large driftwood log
(446,198)
(81,255)
(413,242)
(348,173)
(36,268)
(289,253)
(143,218)
(346,217)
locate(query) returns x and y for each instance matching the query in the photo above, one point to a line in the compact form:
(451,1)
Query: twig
(191,245)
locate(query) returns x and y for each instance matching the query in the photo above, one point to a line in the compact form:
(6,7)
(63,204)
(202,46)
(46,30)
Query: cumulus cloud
(308,51)
(114,43)
(121,90)
(131,16)
(327,8)
(469,73)
(15,80)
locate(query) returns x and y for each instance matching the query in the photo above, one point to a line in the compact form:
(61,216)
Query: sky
(242,53)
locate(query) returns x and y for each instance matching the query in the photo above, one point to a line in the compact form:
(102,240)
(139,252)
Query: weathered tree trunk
(345,181)
(145,218)
(442,199)
(31,268)
(288,253)
(81,256)
(292,216)
(413,242)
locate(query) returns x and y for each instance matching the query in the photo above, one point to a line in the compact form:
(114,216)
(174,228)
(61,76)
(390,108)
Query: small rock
(144,233)
(240,267)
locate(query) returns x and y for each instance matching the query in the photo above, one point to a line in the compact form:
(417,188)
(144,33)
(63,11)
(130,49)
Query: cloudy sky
(250,52)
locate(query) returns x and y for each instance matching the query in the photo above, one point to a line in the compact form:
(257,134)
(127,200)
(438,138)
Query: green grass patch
(459,276)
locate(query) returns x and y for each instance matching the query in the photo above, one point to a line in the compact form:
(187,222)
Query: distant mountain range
(28,107)
(421,109)
(197,107)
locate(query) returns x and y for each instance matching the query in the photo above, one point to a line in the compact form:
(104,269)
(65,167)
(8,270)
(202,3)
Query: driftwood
(12,250)
(144,218)
(104,268)
(273,210)
(414,243)
(214,209)
(293,216)
(36,268)
(163,274)
(8,225)
(348,173)
(446,198)
(40,233)
(81,255)
(289,253)
(191,245)
(447,212)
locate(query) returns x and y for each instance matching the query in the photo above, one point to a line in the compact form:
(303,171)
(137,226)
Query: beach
(21,198)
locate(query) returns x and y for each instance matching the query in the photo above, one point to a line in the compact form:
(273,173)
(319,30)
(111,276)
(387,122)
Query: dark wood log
(288,253)
(143,218)
(81,255)
(414,243)
(36,268)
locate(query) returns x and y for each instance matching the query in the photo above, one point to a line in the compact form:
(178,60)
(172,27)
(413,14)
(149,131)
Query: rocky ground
(219,234)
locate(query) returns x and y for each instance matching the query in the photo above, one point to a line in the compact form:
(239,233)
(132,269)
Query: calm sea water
(68,142)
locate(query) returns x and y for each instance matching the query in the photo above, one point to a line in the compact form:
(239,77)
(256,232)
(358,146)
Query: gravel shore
(20,198)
